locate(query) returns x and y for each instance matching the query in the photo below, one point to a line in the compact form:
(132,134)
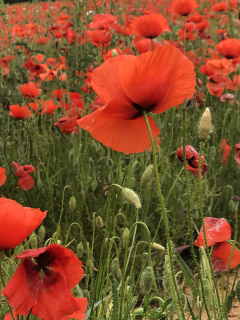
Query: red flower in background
(183,7)
(221,254)
(149,26)
(17,223)
(20,112)
(61,271)
(226,150)
(192,158)
(127,85)
(219,7)
(217,230)
(3,177)
(68,125)
(229,48)
(30,91)
(145,45)
(25,182)
(47,106)
(100,38)
(237,154)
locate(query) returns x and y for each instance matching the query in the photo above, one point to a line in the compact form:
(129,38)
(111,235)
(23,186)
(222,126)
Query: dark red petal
(26,182)
(223,251)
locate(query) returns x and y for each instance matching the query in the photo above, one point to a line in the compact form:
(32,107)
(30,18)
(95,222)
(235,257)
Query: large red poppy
(29,90)
(217,230)
(20,112)
(192,158)
(149,26)
(127,85)
(25,182)
(183,7)
(17,223)
(3,177)
(221,254)
(61,271)
(229,48)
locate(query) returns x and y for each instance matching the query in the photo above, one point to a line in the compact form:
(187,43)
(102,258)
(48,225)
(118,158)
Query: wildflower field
(119,159)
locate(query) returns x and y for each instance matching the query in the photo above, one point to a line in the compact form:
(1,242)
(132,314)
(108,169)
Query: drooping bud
(131,197)
(116,271)
(80,250)
(33,241)
(114,53)
(147,280)
(205,125)
(147,175)
(157,246)
(125,236)
(41,233)
(99,222)
(72,203)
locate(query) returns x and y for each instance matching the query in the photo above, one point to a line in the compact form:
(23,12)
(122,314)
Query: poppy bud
(39,182)
(59,73)
(59,242)
(125,236)
(99,222)
(237,69)
(147,280)
(139,312)
(72,203)
(126,159)
(212,153)
(131,197)
(80,250)
(205,125)
(147,175)
(157,246)
(114,53)
(234,202)
(41,233)
(233,205)
(116,271)
(235,198)
(89,266)
(94,184)
(33,241)
(66,98)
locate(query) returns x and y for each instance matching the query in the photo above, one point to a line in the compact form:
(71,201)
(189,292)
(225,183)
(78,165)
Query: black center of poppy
(138,107)
(37,67)
(44,259)
(229,57)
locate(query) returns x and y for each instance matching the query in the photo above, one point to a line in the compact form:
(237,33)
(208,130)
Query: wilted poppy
(20,112)
(46,276)
(229,48)
(127,85)
(183,7)
(3,177)
(17,223)
(221,254)
(25,182)
(30,91)
(149,26)
(217,230)
(192,158)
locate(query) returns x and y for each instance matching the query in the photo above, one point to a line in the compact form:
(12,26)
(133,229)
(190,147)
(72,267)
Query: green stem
(3,283)
(177,298)
(28,316)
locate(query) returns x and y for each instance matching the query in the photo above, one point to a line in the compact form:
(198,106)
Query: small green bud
(157,246)
(89,266)
(80,250)
(114,53)
(66,97)
(138,312)
(116,271)
(94,184)
(59,72)
(59,242)
(237,69)
(33,241)
(41,233)
(147,280)
(131,197)
(39,182)
(125,236)
(72,203)
(147,175)
(205,125)
(212,153)
(99,222)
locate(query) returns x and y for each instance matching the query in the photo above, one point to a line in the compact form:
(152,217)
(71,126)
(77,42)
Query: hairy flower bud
(99,222)
(147,280)
(157,246)
(205,125)
(33,241)
(72,203)
(131,197)
(147,175)
(126,159)
(41,233)
(80,250)
(116,271)
(125,236)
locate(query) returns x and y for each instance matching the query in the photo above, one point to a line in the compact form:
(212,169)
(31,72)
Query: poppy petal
(80,314)
(222,252)
(26,182)
(3,177)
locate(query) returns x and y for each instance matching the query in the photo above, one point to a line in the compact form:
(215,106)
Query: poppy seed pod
(99,222)
(205,125)
(126,159)
(131,197)
(147,280)
(147,175)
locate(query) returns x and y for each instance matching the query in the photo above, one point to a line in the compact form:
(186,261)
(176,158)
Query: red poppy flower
(229,48)
(17,223)
(25,182)
(149,26)
(61,271)
(192,158)
(20,112)
(219,7)
(30,91)
(99,38)
(68,125)
(183,7)
(145,45)
(221,254)
(101,20)
(237,154)
(217,230)
(3,177)
(47,106)
(127,85)
(226,150)
(228,96)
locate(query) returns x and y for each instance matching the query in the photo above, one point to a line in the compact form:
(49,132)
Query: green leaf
(191,311)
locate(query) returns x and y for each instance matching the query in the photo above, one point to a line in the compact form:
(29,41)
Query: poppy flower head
(221,254)
(237,154)
(217,230)
(3,177)
(183,7)
(149,26)
(30,91)
(20,112)
(229,48)
(25,182)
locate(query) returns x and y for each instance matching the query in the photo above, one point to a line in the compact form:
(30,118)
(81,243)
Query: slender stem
(203,225)
(177,298)
(29,314)
(3,283)
(189,212)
